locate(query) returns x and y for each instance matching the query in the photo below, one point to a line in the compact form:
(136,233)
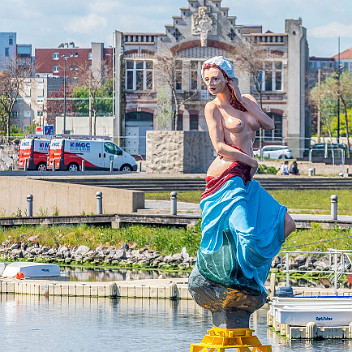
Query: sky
(47,23)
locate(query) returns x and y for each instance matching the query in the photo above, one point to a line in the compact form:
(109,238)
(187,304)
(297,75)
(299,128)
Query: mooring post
(82,168)
(173,201)
(111,165)
(25,165)
(99,196)
(30,205)
(287,271)
(334,200)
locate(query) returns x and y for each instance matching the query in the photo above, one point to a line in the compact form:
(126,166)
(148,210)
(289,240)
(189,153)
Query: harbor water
(37,323)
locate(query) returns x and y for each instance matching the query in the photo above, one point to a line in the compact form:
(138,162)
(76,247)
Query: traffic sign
(49,130)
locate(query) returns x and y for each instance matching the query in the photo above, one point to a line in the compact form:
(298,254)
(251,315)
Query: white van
(35,151)
(68,154)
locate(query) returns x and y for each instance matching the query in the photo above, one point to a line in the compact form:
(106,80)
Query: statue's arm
(216,133)
(252,106)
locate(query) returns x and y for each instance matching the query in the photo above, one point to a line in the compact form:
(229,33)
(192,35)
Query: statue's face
(214,80)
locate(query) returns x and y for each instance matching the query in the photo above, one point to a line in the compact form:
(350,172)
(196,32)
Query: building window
(39,113)
(71,54)
(275,134)
(55,69)
(178,75)
(197,82)
(139,75)
(55,56)
(75,67)
(90,68)
(90,56)
(179,122)
(193,122)
(71,67)
(10,40)
(7,52)
(14,113)
(76,54)
(272,76)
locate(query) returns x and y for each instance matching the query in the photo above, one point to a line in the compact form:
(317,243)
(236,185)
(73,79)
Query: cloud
(86,24)
(332,30)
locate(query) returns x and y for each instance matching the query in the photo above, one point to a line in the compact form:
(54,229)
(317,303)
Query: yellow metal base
(221,339)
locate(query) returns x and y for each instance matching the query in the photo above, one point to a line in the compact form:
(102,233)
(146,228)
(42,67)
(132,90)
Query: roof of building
(347,54)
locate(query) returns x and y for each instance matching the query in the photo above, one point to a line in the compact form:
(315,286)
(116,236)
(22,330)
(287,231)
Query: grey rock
(32,238)
(82,250)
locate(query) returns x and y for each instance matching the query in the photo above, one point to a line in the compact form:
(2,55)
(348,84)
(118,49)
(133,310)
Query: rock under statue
(243,226)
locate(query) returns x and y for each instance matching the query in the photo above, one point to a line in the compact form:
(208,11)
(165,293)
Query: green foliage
(102,99)
(319,238)
(31,129)
(164,112)
(165,240)
(263,169)
(16,131)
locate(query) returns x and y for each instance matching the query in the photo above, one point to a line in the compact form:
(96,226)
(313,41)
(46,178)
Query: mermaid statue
(243,226)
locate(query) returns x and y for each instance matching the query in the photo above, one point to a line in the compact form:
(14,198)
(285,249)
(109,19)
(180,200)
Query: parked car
(324,149)
(68,154)
(274,152)
(35,151)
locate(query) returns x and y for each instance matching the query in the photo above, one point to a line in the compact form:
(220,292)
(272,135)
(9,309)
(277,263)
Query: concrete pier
(159,289)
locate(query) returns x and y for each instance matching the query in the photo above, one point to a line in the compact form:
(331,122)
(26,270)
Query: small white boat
(324,311)
(322,316)
(31,270)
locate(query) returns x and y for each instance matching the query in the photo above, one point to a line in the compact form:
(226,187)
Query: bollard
(173,199)
(99,197)
(310,172)
(82,168)
(25,164)
(111,165)
(29,205)
(140,166)
(53,164)
(334,198)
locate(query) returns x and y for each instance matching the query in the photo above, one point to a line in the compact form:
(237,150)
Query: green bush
(263,169)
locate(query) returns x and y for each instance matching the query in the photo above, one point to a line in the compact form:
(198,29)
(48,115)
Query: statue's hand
(254,168)
(236,91)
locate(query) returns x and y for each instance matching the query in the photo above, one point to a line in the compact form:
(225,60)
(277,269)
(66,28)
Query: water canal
(37,323)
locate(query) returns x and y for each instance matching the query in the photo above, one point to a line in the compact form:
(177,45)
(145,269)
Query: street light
(65,58)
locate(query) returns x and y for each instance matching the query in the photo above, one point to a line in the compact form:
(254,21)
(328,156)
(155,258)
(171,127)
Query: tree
(325,97)
(93,82)
(164,113)
(11,83)
(170,72)
(253,58)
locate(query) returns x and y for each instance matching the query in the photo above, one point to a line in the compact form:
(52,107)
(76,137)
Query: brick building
(202,30)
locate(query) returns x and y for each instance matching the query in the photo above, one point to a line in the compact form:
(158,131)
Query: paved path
(163,207)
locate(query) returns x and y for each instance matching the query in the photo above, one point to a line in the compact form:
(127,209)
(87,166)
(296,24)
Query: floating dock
(312,317)
(157,288)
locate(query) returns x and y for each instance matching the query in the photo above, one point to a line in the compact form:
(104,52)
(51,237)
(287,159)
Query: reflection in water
(81,274)
(33,323)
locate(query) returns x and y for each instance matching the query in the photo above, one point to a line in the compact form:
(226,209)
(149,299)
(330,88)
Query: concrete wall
(178,151)
(63,198)
(80,125)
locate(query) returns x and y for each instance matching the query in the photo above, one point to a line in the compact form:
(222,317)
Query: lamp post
(65,58)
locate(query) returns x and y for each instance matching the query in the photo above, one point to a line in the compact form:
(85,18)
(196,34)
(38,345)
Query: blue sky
(46,23)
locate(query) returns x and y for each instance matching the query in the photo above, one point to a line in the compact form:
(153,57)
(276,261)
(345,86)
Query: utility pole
(338,95)
(318,123)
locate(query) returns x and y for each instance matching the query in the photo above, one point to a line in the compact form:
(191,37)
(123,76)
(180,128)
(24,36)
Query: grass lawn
(298,201)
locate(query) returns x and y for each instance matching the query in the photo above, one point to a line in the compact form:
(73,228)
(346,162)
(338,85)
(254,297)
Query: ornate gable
(202,21)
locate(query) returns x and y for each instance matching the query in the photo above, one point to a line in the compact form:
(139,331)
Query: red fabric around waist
(235,169)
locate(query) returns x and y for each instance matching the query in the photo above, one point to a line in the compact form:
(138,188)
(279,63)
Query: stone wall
(178,152)
(63,198)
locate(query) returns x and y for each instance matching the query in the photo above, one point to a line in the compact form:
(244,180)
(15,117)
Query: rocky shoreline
(125,256)
(129,256)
